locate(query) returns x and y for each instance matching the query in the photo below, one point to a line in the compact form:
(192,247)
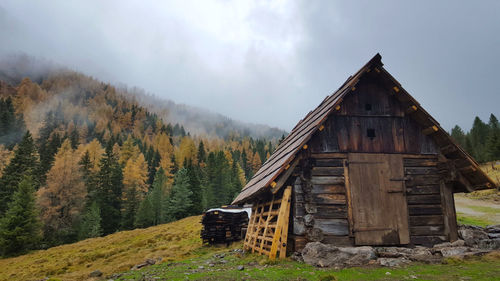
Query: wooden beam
(468,169)
(430,130)
(268,219)
(411,109)
(280,226)
(448,149)
(348,198)
(284,177)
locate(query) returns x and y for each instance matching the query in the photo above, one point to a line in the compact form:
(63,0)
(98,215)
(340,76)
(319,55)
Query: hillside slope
(113,253)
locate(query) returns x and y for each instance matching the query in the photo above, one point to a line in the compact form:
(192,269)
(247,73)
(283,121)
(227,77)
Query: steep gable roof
(286,152)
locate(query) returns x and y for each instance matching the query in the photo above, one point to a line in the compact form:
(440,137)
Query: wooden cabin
(368,166)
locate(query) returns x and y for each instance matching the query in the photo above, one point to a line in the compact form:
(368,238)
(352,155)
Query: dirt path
(478,208)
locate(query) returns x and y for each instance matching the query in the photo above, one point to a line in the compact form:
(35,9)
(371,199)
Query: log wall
(370,121)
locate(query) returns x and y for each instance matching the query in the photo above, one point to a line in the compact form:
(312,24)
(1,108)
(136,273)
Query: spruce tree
(458,135)
(180,202)
(24,163)
(195,188)
(20,229)
(131,205)
(90,225)
(145,214)
(109,190)
(202,155)
(158,195)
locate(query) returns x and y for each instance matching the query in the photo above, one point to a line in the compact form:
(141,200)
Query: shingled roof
(303,131)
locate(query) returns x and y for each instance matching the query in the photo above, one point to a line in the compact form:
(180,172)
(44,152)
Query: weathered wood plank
(339,241)
(327,180)
(426,220)
(424,199)
(332,226)
(329,198)
(421,170)
(450,219)
(327,171)
(331,212)
(424,210)
(423,189)
(427,241)
(414,162)
(333,162)
(427,230)
(335,189)
(423,180)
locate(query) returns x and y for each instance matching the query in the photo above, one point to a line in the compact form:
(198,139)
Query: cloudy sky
(270,61)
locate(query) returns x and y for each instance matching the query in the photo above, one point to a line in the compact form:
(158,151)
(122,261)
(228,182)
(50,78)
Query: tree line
(482,141)
(98,163)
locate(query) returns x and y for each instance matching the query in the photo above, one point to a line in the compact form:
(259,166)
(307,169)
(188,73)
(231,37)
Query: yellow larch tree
(62,199)
(135,174)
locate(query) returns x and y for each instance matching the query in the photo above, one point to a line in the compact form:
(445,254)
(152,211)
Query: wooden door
(378,202)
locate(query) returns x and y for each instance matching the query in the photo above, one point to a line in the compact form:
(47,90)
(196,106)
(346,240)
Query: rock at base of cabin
(489,244)
(493,228)
(453,251)
(319,254)
(297,256)
(392,262)
(458,243)
(471,234)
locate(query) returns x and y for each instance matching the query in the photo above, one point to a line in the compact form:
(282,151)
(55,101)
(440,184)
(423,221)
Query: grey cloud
(269,62)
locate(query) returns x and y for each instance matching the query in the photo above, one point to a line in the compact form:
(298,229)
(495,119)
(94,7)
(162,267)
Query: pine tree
(130,207)
(478,134)
(458,135)
(90,225)
(179,202)
(195,188)
(109,189)
(20,227)
(145,214)
(202,154)
(493,140)
(24,163)
(158,195)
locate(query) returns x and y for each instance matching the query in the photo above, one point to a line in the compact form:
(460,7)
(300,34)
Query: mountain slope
(199,121)
(113,253)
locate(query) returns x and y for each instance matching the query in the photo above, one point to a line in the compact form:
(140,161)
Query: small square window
(370,133)
(368,107)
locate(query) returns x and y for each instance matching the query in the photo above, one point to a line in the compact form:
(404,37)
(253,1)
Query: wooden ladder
(267,231)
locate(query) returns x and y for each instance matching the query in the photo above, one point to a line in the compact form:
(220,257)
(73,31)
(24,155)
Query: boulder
(453,251)
(319,254)
(489,244)
(392,262)
(147,262)
(493,228)
(95,273)
(471,234)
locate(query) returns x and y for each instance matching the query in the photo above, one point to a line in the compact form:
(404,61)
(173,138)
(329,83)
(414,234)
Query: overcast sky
(270,62)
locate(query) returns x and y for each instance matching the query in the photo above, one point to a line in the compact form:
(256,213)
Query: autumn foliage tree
(61,201)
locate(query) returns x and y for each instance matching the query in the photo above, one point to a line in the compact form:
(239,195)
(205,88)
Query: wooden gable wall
(371,107)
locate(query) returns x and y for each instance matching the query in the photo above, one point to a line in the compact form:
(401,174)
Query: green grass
(113,253)
(472,220)
(257,268)
(485,209)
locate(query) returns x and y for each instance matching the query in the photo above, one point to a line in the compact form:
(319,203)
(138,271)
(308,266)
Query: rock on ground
(319,254)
